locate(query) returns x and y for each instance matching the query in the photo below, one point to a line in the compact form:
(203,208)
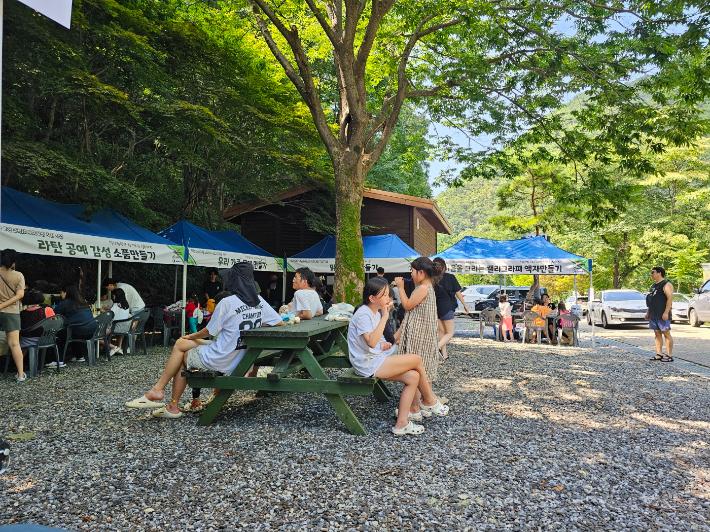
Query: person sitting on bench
(242,310)
(306,303)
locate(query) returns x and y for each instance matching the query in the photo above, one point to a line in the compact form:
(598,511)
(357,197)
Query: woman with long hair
(75,310)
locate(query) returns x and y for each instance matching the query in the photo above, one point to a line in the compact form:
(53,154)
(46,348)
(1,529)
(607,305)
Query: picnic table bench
(311,345)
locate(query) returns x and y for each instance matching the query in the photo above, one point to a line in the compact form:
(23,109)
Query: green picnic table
(311,345)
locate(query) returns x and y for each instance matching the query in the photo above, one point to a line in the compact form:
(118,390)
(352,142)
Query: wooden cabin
(278,226)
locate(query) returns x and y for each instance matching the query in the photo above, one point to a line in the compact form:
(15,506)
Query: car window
(706,287)
(624,296)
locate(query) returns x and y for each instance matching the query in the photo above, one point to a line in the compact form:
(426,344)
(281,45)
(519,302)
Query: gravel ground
(538,438)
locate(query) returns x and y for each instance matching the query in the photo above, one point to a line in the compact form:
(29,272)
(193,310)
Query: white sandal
(411,428)
(410,416)
(437,408)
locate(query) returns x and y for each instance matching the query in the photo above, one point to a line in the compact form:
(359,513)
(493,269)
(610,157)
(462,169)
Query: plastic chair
(530,324)
(136,327)
(103,322)
(490,317)
(562,325)
(162,326)
(49,327)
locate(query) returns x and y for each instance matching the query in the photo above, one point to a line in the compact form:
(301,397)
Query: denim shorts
(448,316)
(657,324)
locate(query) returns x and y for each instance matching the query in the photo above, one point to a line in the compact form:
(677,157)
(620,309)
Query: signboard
(518,266)
(57,10)
(77,246)
(396,265)
(225,259)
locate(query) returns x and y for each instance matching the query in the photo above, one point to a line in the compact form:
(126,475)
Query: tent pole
(283,288)
(576,295)
(591,292)
(98,285)
(175,287)
(184,294)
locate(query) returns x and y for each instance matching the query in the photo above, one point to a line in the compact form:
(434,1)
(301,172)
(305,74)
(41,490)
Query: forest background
(166,113)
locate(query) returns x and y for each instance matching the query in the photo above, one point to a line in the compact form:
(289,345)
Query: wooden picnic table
(311,345)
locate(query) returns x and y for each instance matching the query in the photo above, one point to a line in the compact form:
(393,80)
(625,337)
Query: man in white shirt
(242,310)
(306,303)
(135,301)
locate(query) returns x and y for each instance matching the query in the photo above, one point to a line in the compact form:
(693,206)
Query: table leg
(336,401)
(381,392)
(218,402)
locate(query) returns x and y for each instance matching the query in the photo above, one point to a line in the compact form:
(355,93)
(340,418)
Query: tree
(494,67)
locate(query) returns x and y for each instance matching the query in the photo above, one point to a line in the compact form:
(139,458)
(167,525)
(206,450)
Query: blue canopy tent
(387,251)
(525,256)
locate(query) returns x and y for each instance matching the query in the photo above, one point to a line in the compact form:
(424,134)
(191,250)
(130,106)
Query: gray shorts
(194,361)
(10,322)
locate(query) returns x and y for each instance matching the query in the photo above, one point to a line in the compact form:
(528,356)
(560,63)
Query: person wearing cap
(244,309)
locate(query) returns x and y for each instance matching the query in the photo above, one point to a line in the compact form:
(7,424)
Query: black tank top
(657,300)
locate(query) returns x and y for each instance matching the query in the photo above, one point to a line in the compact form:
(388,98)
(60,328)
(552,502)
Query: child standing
(419,332)
(193,303)
(120,311)
(507,321)
(370,355)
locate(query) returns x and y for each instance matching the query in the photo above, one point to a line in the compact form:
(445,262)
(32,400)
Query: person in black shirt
(211,287)
(659,301)
(447,290)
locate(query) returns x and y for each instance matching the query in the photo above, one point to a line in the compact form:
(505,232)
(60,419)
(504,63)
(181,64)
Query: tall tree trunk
(349,269)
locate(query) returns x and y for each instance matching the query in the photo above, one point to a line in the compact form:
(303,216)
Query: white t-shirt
(120,314)
(306,299)
(135,302)
(231,316)
(365,360)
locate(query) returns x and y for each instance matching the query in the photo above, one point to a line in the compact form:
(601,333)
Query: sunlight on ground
(677,425)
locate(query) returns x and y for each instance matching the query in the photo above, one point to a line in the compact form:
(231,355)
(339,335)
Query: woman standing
(447,291)
(12,290)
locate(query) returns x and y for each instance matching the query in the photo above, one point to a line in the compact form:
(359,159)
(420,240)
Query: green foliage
(150,109)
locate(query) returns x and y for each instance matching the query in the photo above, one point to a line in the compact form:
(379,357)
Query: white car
(618,307)
(679,307)
(574,307)
(474,293)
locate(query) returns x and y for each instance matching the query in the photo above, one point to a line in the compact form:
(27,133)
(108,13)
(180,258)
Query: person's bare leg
(13,342)
(410,378)
(658,338)
(396,365)
(448,327)
(172,368)
(669,343)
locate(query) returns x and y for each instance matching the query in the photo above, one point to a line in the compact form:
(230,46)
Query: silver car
(679,308)
(699,305)
(618,307)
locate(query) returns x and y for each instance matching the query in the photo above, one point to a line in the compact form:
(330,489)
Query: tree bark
(350,174)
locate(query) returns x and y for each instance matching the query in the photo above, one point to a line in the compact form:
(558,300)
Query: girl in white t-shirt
(371,355)
(120,311)
(507,318)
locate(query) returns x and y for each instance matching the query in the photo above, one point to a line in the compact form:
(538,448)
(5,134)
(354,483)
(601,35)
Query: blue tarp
(387,251)
(206,249)
(522,256)
(115,225)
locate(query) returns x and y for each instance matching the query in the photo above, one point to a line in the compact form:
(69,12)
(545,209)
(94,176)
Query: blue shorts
(657,324)
(448,316)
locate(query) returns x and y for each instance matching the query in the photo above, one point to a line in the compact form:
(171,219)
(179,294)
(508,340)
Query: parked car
(516,297)
(699,305)
(618,307)
(472,294)
(577,305)
(679,307)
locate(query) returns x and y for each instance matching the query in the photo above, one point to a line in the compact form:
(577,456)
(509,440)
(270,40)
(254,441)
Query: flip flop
(162,412)
(143,402)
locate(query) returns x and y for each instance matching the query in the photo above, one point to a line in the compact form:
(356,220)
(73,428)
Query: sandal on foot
(411,428)
(437,408)
(163,412)
(144,402)
(410,416)
(667,359)
(657,357)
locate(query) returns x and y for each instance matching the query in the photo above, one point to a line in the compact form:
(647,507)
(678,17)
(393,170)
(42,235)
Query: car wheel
(605,324)
(589,318)
(693,318)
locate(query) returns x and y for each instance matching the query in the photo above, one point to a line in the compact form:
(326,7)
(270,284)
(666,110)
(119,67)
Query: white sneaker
(113,351)
(54,365)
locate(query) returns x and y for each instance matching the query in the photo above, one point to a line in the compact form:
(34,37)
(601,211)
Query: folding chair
(49,327)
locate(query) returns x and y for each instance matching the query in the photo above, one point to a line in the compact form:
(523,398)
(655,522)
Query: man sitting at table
(242,310)
(306,303)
